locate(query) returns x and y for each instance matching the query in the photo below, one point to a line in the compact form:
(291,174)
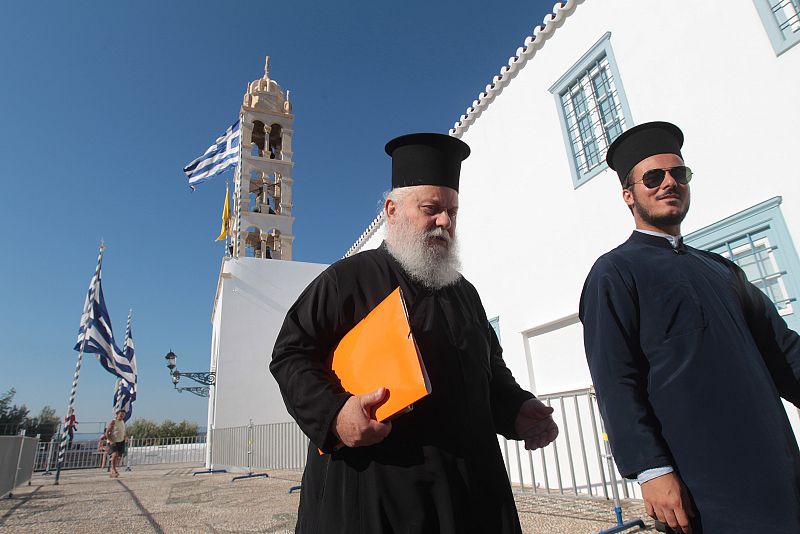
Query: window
(495,324)
(781,19)
(592,109)
(757,240)
(556,357)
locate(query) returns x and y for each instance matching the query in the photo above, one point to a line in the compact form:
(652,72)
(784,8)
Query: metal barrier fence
(79,455)
(148,451)
(16,462)
(576,463)
(271,446)
(140,451)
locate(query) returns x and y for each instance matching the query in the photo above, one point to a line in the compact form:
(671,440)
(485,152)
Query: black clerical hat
(641,142)
(426,159)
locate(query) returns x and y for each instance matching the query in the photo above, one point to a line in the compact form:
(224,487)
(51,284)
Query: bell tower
(262,206)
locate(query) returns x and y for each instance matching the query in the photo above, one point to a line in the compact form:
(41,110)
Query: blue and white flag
(124,395)
(128,352)
(224,153)
(95,335)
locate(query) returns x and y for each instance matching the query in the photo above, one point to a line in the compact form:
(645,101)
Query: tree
(12,418)
(167,429)
(5,402)
(44,425)
(144,428)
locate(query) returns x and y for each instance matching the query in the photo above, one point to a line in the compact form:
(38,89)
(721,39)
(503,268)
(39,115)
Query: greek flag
(95,335)
(124,395)
(128,349)
(222,154)
(125,392)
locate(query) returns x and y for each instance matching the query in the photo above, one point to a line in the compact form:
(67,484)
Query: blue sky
(101,106)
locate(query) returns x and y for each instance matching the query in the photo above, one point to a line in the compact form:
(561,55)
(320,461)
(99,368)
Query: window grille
(754,253)
(758,241)
(787,17)
(594,115)
(781,19)
(592,109)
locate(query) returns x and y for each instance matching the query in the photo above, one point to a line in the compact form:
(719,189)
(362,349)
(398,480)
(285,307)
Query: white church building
(538,204)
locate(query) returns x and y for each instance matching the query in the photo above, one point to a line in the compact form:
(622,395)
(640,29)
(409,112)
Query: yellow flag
(226,215)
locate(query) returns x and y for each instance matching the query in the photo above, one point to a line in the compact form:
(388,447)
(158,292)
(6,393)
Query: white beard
(432,265)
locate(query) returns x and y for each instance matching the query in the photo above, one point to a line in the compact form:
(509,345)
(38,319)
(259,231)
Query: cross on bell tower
(262,205)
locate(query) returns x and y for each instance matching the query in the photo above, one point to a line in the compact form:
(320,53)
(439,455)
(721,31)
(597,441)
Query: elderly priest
(438,468)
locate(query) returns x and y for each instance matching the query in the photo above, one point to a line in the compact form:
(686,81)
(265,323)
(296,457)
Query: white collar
(674,240)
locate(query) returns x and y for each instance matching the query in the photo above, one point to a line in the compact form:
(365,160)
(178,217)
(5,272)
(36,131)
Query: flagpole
(237,179)
(119,401)
(228,234)
(73,392)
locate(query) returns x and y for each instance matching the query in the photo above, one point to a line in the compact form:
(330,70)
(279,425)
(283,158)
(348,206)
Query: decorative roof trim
(543,32)
(369,232)
(552,21)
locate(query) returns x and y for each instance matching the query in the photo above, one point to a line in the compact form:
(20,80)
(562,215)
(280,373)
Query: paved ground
(167,498)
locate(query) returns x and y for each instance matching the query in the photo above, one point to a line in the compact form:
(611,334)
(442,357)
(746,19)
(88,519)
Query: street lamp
(205,378)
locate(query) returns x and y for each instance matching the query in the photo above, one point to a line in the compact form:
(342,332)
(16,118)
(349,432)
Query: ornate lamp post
(205,378)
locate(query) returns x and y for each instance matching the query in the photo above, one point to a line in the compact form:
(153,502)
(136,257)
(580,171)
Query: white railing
(271,446)
(140,451)
(577,462)
(148,451)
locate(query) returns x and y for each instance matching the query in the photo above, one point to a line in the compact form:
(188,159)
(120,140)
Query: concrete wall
(253,297)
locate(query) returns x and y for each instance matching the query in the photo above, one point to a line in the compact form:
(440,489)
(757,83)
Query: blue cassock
(690,361)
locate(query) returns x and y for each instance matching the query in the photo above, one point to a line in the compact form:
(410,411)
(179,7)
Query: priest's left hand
(535,424)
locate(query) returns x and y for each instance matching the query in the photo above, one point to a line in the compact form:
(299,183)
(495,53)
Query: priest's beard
(431,265)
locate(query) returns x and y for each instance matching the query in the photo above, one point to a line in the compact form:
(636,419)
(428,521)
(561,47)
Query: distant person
(439,467)
(102,450)
(690,360)
(116,436)
(71,425)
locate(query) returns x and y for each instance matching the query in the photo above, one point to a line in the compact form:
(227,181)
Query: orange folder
(380,351)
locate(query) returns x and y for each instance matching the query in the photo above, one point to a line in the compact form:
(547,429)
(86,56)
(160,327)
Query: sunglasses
(653,178)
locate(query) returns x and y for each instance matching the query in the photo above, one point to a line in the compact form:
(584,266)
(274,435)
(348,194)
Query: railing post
(50,455)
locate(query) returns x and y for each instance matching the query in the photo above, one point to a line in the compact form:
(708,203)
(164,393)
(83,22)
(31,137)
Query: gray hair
(397,195)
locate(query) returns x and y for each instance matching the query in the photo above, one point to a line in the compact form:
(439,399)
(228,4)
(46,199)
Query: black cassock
(690,361)
(440,469)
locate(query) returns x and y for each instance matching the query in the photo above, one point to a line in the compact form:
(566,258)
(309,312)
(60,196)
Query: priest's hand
(355,424)
(535,424)
(666,499)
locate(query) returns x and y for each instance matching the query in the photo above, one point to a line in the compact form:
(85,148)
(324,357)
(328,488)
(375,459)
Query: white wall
(252,300)
(528,238)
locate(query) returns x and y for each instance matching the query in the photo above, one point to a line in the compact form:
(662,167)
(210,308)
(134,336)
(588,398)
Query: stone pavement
(167,498)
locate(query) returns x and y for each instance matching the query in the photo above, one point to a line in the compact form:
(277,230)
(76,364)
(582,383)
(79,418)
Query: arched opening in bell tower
(275,142)
(259,138)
